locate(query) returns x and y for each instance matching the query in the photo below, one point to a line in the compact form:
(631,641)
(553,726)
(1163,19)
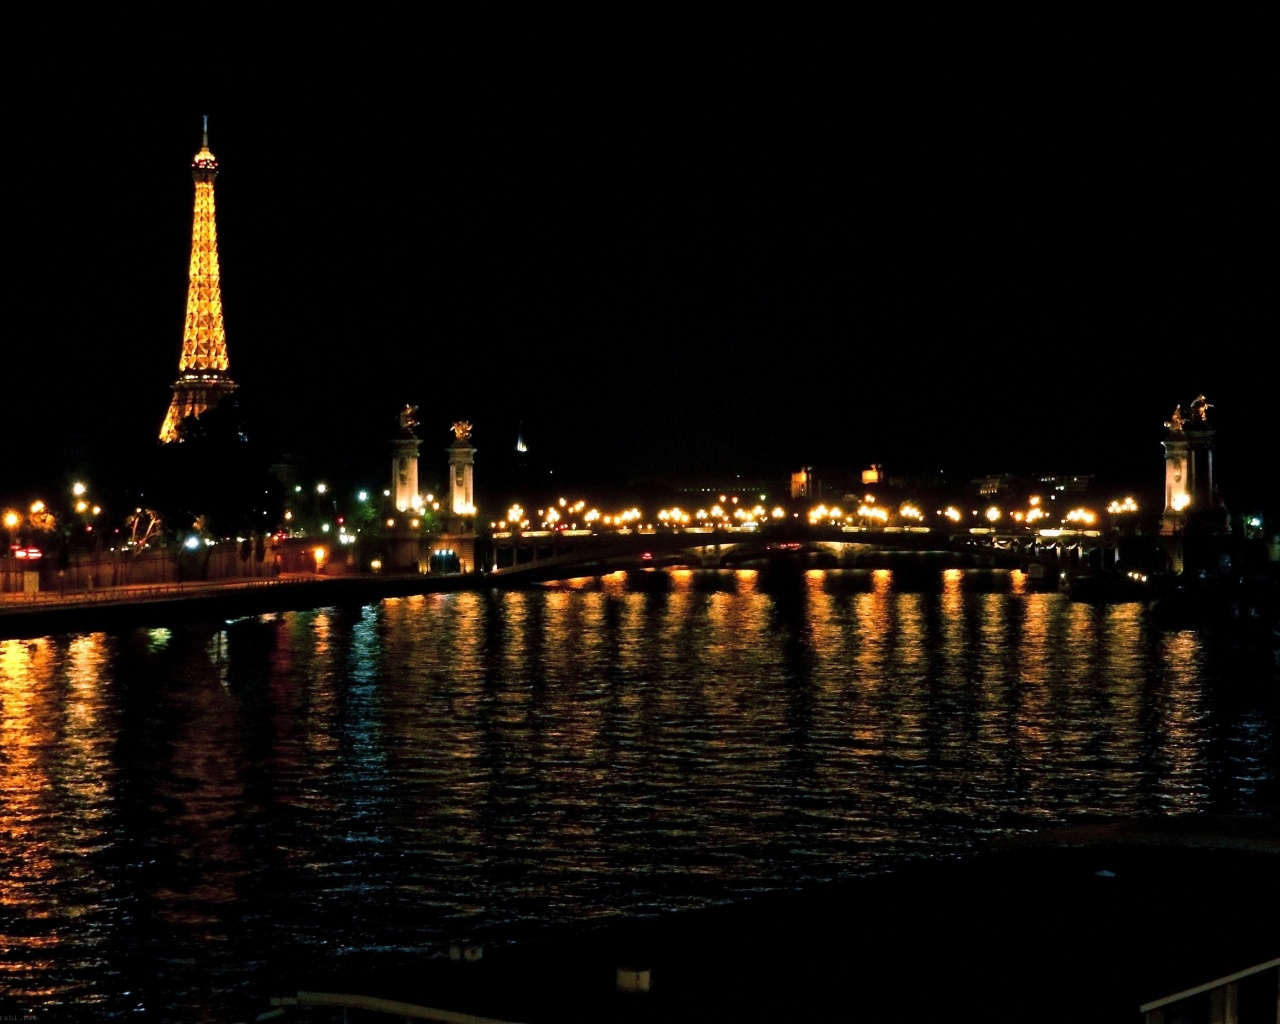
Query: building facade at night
(203,379)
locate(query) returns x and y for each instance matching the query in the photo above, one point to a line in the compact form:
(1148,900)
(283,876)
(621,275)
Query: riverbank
(24,615)
(1249,607)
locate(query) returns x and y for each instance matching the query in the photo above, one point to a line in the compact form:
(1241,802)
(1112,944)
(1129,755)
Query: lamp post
(11,522)
(88,514)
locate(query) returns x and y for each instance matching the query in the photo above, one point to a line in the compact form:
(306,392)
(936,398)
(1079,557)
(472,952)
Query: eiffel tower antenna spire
(203,380)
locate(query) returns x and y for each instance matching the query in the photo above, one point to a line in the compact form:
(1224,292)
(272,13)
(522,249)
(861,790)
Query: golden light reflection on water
(1181,717)
(55,800)
(875,623)
(436,764)
(87,739)
(27,862)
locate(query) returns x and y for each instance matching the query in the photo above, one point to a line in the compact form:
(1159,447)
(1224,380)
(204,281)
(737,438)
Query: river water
(188,814)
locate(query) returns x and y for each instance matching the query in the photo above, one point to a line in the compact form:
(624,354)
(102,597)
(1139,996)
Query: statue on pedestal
(1200,409)
(408,420)
(1176,421)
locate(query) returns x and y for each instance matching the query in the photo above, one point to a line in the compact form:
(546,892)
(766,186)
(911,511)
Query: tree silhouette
(214,475)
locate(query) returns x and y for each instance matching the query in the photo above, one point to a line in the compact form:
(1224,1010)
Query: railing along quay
(130,593)
(23,614)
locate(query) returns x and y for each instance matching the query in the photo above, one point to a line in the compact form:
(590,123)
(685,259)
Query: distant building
(1072,483)
(802,483)
(997,484)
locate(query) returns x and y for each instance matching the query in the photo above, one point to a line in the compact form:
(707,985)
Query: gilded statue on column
(408,420)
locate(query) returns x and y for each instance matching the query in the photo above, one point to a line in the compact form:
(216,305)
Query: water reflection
(185,815)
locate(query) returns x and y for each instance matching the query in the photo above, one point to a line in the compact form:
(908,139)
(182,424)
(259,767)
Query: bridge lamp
(11,521)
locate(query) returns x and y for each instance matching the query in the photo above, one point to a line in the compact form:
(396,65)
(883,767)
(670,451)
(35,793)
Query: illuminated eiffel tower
(203,380)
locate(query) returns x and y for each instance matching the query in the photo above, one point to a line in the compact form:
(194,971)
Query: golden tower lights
(203,380)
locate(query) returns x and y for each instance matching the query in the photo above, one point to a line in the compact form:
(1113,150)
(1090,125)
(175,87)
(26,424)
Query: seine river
(188,813)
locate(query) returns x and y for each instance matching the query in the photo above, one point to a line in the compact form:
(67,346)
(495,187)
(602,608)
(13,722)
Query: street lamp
(1119,508)
(11,522)
(323,505)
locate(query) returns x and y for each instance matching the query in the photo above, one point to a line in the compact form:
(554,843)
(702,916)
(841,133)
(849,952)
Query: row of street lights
(27,533)
(730,513)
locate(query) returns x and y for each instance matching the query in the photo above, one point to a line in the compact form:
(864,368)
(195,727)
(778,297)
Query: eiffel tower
(203,380)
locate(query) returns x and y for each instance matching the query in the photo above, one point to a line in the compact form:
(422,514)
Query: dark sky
(666,250)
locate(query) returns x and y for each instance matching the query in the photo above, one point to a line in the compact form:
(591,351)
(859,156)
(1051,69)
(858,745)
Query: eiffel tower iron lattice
(203,380)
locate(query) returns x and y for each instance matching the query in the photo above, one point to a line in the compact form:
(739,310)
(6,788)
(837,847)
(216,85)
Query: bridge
(542,555)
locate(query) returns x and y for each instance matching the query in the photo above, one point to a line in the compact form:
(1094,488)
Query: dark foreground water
(188,814)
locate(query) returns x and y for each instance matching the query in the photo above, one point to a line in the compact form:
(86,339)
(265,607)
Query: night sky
(666,254)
